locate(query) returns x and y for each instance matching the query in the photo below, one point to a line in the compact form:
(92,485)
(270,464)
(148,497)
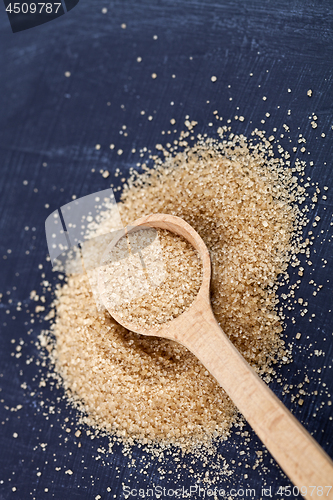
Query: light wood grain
(298,454)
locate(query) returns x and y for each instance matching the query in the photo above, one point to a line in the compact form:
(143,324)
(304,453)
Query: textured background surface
(48,118)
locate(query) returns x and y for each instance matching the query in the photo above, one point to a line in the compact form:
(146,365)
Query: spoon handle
(295,450)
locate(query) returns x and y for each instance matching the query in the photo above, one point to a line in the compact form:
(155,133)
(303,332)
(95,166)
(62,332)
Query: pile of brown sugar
(244,203)
(149,279)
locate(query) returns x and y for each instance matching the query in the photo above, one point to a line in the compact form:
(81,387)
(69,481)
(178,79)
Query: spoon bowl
(176,225)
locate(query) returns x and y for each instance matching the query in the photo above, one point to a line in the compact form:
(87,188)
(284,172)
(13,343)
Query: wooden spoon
(298,454)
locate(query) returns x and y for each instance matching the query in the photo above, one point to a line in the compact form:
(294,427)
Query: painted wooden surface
(48,118)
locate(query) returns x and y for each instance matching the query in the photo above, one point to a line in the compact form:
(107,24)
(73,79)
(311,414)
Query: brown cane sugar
(152,278)
(245,204)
